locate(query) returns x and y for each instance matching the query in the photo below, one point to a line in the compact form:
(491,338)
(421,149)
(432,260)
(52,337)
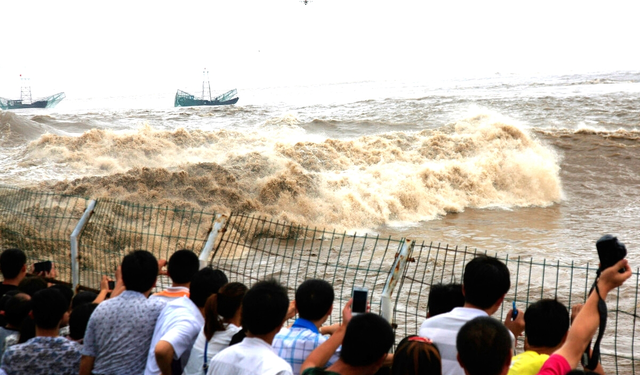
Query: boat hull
(48,102)
(182,102)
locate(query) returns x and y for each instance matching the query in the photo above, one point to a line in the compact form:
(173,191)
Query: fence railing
(249,248)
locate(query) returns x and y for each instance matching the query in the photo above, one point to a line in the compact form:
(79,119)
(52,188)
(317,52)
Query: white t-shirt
(178,324)
(253,356)
(218,342)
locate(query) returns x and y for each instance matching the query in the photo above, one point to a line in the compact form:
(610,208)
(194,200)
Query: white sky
(146,46)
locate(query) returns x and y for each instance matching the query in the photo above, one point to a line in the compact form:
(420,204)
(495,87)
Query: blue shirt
(43,355)
(119,333)
(295,345)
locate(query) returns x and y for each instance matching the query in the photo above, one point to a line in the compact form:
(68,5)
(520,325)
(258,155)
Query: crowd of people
(206,325)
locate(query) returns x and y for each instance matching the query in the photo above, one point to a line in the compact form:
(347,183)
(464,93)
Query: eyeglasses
(421,339)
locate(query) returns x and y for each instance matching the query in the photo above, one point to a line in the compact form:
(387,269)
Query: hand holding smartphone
(360,297)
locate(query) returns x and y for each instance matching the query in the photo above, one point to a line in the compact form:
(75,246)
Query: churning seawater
(536,166)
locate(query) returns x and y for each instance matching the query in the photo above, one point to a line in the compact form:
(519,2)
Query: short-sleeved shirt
(555,365)
(295,344)
(527,363)
(43,355)
(179,325)
(318,371)
(219,341)
(253,356)
(119,333)
(443,330)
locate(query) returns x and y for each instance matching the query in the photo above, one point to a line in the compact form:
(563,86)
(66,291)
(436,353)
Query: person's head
(416,355)
(486,280)
(367,341)
(32,284)
(49,306)
(314,299)
(444,298)
(139,271)
(79,319)
(183,264)
(16,309)
(68,296)
(484,347)
(206,282)
(547,323)
(264,307)
(13,263)
(222,306)
(82,298)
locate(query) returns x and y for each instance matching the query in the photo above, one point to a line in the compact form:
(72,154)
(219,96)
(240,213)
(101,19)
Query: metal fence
(251,248)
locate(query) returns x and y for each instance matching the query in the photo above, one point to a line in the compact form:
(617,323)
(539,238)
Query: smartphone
(514,312)
(112,285)
(360,297)
(42,266)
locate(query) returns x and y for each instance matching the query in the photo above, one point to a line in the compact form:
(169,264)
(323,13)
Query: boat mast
(205,80)
(25,90)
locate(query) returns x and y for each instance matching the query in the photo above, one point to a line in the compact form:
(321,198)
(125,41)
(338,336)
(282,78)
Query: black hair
(183,264)
(83,297)
(416,357)
(444,298)
(67,293)
(222,305)
(27,330)
(17,308)
(206,282)
(484,346)
(314,298)
(139,271)
(486,280)
(49,305)
(32,284)
(368,337)
(79,319)
(11,262)
(547,321)
(264,307)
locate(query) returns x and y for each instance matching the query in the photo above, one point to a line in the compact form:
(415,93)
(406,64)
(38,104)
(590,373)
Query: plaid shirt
(295,345)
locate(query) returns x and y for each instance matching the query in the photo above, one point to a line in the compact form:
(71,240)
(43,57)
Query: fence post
(75,265)
(218,224)
(397,270)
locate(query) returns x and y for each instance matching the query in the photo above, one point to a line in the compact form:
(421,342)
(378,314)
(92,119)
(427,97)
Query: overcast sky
(156,45)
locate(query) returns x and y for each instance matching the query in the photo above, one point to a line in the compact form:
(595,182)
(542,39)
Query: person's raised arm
(321,355)
(588,320)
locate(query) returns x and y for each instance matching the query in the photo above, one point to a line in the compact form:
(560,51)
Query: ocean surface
(533,166)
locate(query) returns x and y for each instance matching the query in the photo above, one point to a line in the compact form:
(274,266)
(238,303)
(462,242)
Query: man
(444,298)
(120,329)
(264,308)
(486,280)
(15,310)
(13,265)
(47,353)
(179,324)
(366,340)
(547,324)
(314,303)
(484,347)
(183,264)
(586,323)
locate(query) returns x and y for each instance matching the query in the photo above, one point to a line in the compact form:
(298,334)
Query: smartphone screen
(42,266)
(112,285)
(359,304)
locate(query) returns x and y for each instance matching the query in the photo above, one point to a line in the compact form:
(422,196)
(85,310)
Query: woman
(222,320)
(416,355)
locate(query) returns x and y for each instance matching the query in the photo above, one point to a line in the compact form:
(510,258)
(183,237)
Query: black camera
(610,251)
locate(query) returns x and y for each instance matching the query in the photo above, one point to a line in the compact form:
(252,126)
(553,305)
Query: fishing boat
(184,99)
(26,101)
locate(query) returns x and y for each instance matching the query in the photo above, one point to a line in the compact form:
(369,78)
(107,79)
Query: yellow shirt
(527,363)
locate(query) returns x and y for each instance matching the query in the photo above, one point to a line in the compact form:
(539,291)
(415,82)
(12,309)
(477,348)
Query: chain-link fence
(251,248)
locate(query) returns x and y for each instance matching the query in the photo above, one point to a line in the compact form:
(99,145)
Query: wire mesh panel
(40,224)
(254,249)
(530,281)
(117,227)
